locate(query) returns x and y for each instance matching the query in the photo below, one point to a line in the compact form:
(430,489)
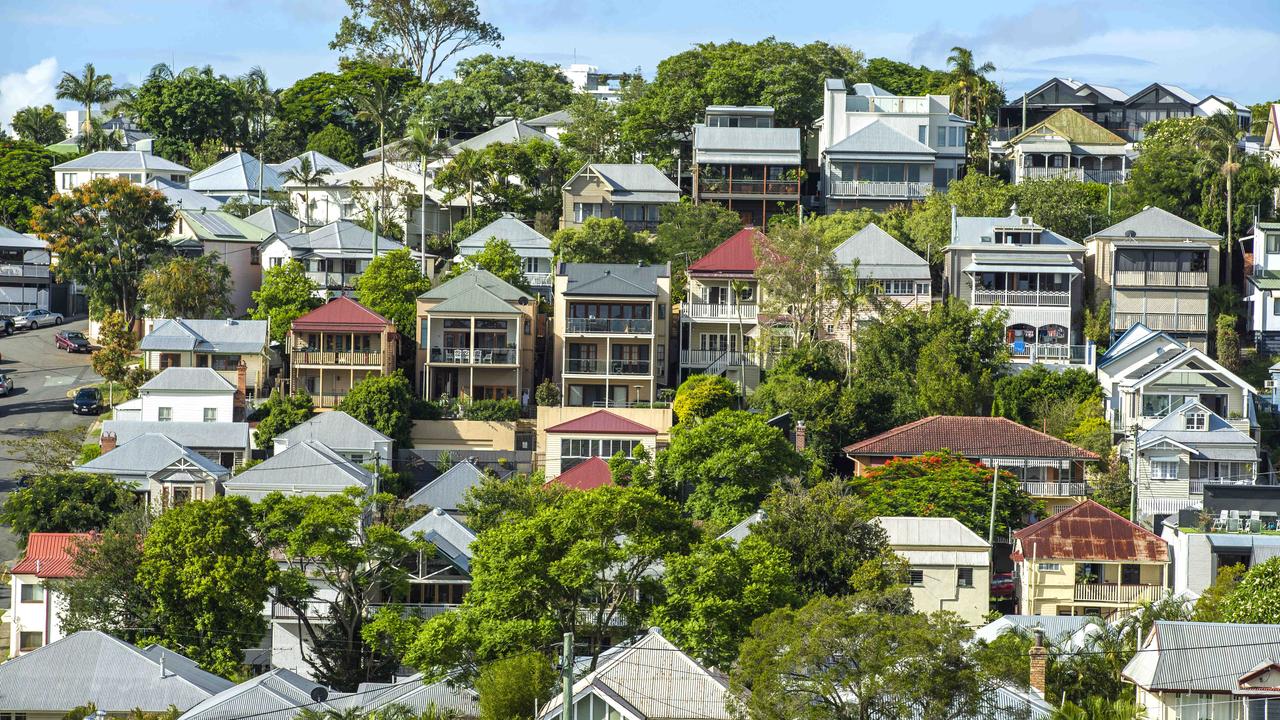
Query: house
(25,280)
(533,247)
(719,318)
(552,124)
(1156,269)
(274,220)
(238,175)
(601,434)
(1262,287)
(877,149)
(93,668)
(225,443)
(1049,469)
(1066,632)
(950,565)
(351,194)
(592,473)
(336,346)
(162,472)
(181,198)
(449,489)
(222,345)
(633,192)
(611,332)
(121,129)
(333,255)
(135,166)
(317,160)
(439,582)
(741,161)
(1203,543)
(186,395)
(1200,670)
(233,241)
(1066,145)
(1032,273)
(1087,560)
(342,434)
(646,679)
(35,608)
(446,696)
(303,468)
(886,268)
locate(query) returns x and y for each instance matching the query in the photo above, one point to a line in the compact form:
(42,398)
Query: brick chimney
(800,436)
(242,373)
(1039,660)
(107,442)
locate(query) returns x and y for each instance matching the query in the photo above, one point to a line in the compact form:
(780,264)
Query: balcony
(1158,278)
(479,356)
(706,358)
(746,312)
(1055,489)
(626,368)
(640,225)
(726,186)
(332,279)
(1117,594)
(26,271)
(1051,353)
(1023,298)
(1171,322)
(344,359)
(537,279)
(878,189)
(609,326)
(1105,177)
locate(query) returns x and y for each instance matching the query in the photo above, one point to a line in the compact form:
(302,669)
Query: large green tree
(285,295)
(1030,396)
(26,182)
(834,414)
(279,413)
(336,142)
(1167,172)
(390,286)
(702,396)
(40,124)
(384,403)
(103,592)
(595,130)
(1256,597)
(329,98)
(59,501)
(599,240)
(1068,207)
(419,35)
(188,109)
(487,87)
(974,195)
(185,287)
(513,688)
(499,258)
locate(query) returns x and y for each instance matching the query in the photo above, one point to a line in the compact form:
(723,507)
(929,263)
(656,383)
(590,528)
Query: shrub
(702,396)
(548,394)
(494,410)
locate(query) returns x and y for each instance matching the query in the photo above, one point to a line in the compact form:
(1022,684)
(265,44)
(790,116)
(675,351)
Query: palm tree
(423,144)
(257,103)
(966,75)
(306,176)
(377,105)
(88,89)
(850,294)
(39,124)
(94,137)
(462,173)
(1217,139)
(739,290)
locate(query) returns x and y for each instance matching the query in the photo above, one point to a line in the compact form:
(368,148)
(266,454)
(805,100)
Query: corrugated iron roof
(449,489)
(1090,532)
(602,422)
(48,555)
(972,437)
(1155,223)
(735,255)
(589,474)
(342,313)
(1201,656)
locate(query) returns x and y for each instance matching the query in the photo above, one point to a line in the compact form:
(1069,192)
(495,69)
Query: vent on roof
(319,694)
(1130,233)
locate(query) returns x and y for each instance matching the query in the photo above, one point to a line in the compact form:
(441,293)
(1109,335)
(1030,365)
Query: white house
(950,565)
(185,394)
(1262,286)
(333,255)
(34,611)
(349,194)
(533,247)
(132,165)
(164,473)
(342,434)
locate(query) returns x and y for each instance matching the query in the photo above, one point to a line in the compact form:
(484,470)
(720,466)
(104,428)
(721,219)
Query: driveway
(42,378)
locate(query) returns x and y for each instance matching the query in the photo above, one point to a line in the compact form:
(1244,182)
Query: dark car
(72,341)
(88,401)
(1002,584)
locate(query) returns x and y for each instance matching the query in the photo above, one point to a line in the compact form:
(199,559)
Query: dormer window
(1195,420)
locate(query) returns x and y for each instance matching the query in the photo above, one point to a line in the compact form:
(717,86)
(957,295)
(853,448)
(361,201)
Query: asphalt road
(42,378)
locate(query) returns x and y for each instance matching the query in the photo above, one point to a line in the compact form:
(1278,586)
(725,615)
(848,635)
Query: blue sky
(1197,45)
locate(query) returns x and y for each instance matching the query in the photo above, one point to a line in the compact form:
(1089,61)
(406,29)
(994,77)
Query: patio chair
(1221,523)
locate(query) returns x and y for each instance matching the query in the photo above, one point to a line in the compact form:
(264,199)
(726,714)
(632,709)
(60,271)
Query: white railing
(1051,352)
(879,189)
(594,366)
(34,271)
(706,358)
(1117,594)
(747,312)
(1161,278)
(538,279)
(1163,321)
(615,326)
(1055,489)
(1035,298)
(1075,173)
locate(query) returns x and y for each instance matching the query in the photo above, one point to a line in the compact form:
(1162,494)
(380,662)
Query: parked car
(6,324)
(88,401)
(1002,584)
(6,384)
(32,319)
(72,341)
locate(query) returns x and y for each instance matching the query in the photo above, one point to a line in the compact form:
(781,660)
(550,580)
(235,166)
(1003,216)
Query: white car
(32,319)
(6,384)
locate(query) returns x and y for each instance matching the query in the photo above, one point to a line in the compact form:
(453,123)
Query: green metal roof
(1074,127)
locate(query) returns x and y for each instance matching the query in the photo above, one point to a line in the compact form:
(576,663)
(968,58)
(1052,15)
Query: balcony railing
(538,279)
(31,271)
(315,357)
(879,189)
(705,358)
(747,312)
(584,366)
(1117,594)
(1157,278)
(640,225)
(1075,173)
(1030,298)
(610,326)
(332,279)
(725,186)
(1055,489)
(1051,352)
(480,356)
(1173,322)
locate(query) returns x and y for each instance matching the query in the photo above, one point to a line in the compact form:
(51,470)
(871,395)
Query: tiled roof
(602,422)
(342,313)
(735,255)
(589,474)
(1090,532)
(48,555)
(970,436)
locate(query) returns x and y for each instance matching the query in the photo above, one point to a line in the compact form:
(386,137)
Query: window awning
(1065,268)
(1044,146)
(1230,542)
(1231,454)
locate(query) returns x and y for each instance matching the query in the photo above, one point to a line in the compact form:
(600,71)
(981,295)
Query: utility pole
(1133,474)
(991,523)
(566,673)
(375,230)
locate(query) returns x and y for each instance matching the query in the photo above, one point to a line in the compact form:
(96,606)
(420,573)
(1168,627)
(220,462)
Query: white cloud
(33,86)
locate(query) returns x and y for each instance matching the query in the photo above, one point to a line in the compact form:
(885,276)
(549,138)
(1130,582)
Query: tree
(189,109)
(390,286)
(47,451)
(1068,207)
(496,501)
(1228,342)
(790,261)
(102,592)
(1168,171)
(524,178)
(88,89)
(686,232)
(834,658)
(848,294)
(943,484)
(105,233)
(117,344)
(280,414)
(834,415)
(1256,599)
(1097,708)
(902,79)
(715,592)
(41,125)
(384,403)
(702,396)
(511,688)
(461,176)
(499,258)
(1111,485)
(185,287)
(1217,138)
(306,175)
(421,35)
(26,182)
(594,131)
(974,195)
(598,240)
(1027,397)
(725,465)
(1210,605)
(256,103)
(286,294)
(548,394)
(423,146)
(336,142)
(209,580)
(968,76)
(65,502)
(488,87)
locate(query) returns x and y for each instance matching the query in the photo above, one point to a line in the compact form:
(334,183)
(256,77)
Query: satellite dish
(319,694)
(522,301)
(1130,233)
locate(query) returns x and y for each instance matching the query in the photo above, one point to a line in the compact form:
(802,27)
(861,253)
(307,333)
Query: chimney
(162,672)
(242,372)
(800,436)
(1039,659)
(953,224)
(107,442)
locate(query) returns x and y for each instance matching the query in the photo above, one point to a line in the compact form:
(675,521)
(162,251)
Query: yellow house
(1087,560)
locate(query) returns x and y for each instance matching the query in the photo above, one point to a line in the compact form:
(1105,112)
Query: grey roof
(340,237)
(875,137)
(182,197)
(870,89)
(1158,224)
(275,695)
(221,336)
(746,145)
(237,172)
(445,695)
(215,435)
(930,531)
(1218,441)
(274,219)
(613,279)
(148,454)
(92,667)
(123,160)
(971,230)
(880,256)
(739,532)
(305,468)
(191,379)
(447,533)
(1059,630)
(476,290)
(449,490)
(512,131)
(336,430)
(475,300)
(318,160)
(13,239)
(1200,656)
(555,118)
(1110,93)
(526,241)
(637,182)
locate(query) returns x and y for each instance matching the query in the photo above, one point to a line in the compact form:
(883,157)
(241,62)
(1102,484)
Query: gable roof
(219,435)
(182,198)
(334,429)
(526,241)
(613,279)
(92,667)
(277,694)
(602,422)
(1113,94)
(123,160)
(1201,656)
(148,454)
(237,172)
(475,277)
(874,137)
(555,118)
(447,533)
(1073,127)
(188,379)
(734,255)
(275,220)
(343,313)
(224,336)
(970,232)
(1090,532)
(634,182)
(739,532)
(1158,224)
(1173,90)
(589,474)
(1218,441)
(940,531)
(48,555)
(880,256)
(1059,630)
(340,238)
(305,468)
(971,436)
(450,488)
(318,161)
(447,696)
(219,225)
(511,131)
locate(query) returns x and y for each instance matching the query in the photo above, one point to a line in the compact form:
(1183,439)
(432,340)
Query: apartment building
(336,346)
(719,318)
(743,162)
(25,280)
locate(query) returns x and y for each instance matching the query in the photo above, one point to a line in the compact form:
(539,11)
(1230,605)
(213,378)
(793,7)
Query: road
(42,378)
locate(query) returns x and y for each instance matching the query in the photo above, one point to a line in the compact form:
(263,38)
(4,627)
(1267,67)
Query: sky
(1197,45)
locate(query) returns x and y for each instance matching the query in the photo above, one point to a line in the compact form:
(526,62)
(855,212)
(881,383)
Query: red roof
(972,437)
(735,255)
(602,422)
(342,313)
(1090,532)
(589,474)
(49,554)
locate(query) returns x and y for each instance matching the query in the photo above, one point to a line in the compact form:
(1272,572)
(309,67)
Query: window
(582,211)
(922,288)
(255,256)
(964,577)
(1156,405)
(662,311)
(661,353)
(225,362)
(1049,567)
(67,180)
(923,135)
(917,578)
(32,593)
(28,641)
(942,137)
(1164,469)
(13,716)
(1195,420)
(164,414)
(1273,244)
(168,360)
(1275,306)
(211,414)
(575,450)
